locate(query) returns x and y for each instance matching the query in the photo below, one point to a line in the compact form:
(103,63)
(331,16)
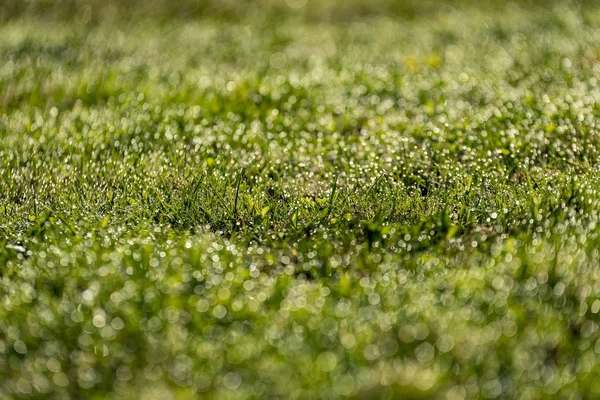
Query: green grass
(393,201)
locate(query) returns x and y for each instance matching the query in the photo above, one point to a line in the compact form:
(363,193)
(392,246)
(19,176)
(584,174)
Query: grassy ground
(385,202)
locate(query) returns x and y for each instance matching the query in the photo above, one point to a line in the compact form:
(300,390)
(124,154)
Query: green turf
(352,199)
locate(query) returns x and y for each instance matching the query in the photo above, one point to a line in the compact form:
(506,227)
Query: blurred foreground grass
(299,200)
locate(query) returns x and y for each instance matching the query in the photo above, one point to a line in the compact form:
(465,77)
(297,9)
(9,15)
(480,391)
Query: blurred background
(97,10)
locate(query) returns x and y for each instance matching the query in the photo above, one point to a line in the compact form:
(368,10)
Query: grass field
(299,200)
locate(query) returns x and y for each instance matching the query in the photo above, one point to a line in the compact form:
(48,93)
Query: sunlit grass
(285,205)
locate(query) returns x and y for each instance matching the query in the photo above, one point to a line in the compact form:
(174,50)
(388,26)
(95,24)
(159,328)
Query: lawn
(299,199)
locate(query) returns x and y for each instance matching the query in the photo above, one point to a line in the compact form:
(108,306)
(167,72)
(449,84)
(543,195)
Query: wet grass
(393,205)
